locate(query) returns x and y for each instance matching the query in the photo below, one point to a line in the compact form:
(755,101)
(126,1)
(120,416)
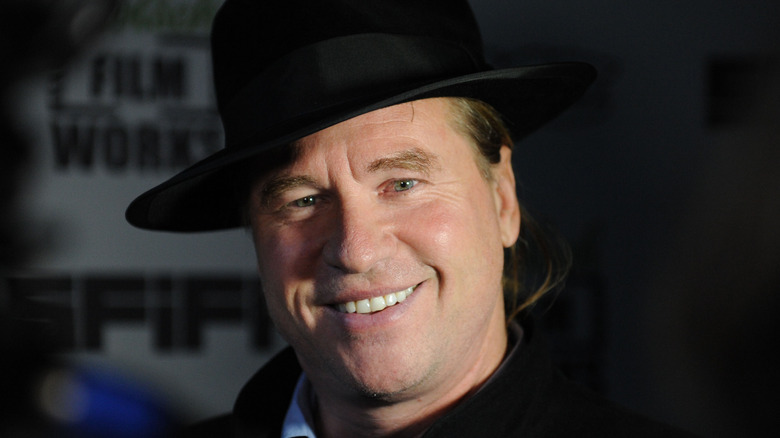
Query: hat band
(336,72)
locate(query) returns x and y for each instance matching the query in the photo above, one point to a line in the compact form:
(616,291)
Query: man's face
(387,209)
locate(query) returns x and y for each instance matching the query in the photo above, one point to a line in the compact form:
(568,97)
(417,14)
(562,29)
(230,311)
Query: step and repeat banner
(182,313)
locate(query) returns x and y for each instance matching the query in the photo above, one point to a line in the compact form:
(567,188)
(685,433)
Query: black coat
(528,397)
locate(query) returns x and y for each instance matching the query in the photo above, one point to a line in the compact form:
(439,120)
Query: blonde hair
(540,260)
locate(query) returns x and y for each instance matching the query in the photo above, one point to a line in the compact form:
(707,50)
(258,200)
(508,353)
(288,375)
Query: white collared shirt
(295,422)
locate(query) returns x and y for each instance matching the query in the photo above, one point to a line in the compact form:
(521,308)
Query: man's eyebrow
(276,186)
(414,159)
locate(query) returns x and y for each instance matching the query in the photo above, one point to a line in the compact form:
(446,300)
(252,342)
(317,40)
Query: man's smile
(375,304)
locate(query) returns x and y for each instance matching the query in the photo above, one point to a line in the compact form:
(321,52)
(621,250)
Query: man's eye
(306,201)
(403,184)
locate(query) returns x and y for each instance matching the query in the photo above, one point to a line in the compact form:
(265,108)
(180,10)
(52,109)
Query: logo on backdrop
(141,100)
(176,309)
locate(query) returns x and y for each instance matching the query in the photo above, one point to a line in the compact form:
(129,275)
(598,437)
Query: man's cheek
(443,230)
(276,304)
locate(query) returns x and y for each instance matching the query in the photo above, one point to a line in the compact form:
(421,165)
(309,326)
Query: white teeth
(378,303)
(375,304)
(363,306)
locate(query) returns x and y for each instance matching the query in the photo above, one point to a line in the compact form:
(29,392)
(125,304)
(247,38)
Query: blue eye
(403,184)
(306,201)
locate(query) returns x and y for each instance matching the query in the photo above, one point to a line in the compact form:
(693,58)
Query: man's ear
(505,196)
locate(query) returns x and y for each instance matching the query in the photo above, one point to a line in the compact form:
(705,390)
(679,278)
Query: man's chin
(384,393)
(381,367)
(386,382)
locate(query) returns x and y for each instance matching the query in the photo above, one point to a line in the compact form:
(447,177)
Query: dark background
(664,179)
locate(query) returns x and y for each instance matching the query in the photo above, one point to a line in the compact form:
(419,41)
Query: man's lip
(364,295)
(376,302)
(364,323)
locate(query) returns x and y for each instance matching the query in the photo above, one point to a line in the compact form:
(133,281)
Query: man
(365,149)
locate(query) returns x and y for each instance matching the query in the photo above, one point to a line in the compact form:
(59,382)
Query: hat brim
(199,199)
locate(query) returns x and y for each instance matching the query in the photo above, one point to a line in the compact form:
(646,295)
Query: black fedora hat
(284,70)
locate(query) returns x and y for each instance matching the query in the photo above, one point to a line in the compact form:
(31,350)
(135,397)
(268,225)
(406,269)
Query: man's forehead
(412,158)
(399,143)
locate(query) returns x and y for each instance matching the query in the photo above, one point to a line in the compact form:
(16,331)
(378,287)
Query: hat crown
(248,36)
(284,70)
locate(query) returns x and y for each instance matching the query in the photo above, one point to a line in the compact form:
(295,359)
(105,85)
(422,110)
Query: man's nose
(360,237)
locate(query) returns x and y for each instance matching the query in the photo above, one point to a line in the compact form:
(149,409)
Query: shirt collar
(296,422)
